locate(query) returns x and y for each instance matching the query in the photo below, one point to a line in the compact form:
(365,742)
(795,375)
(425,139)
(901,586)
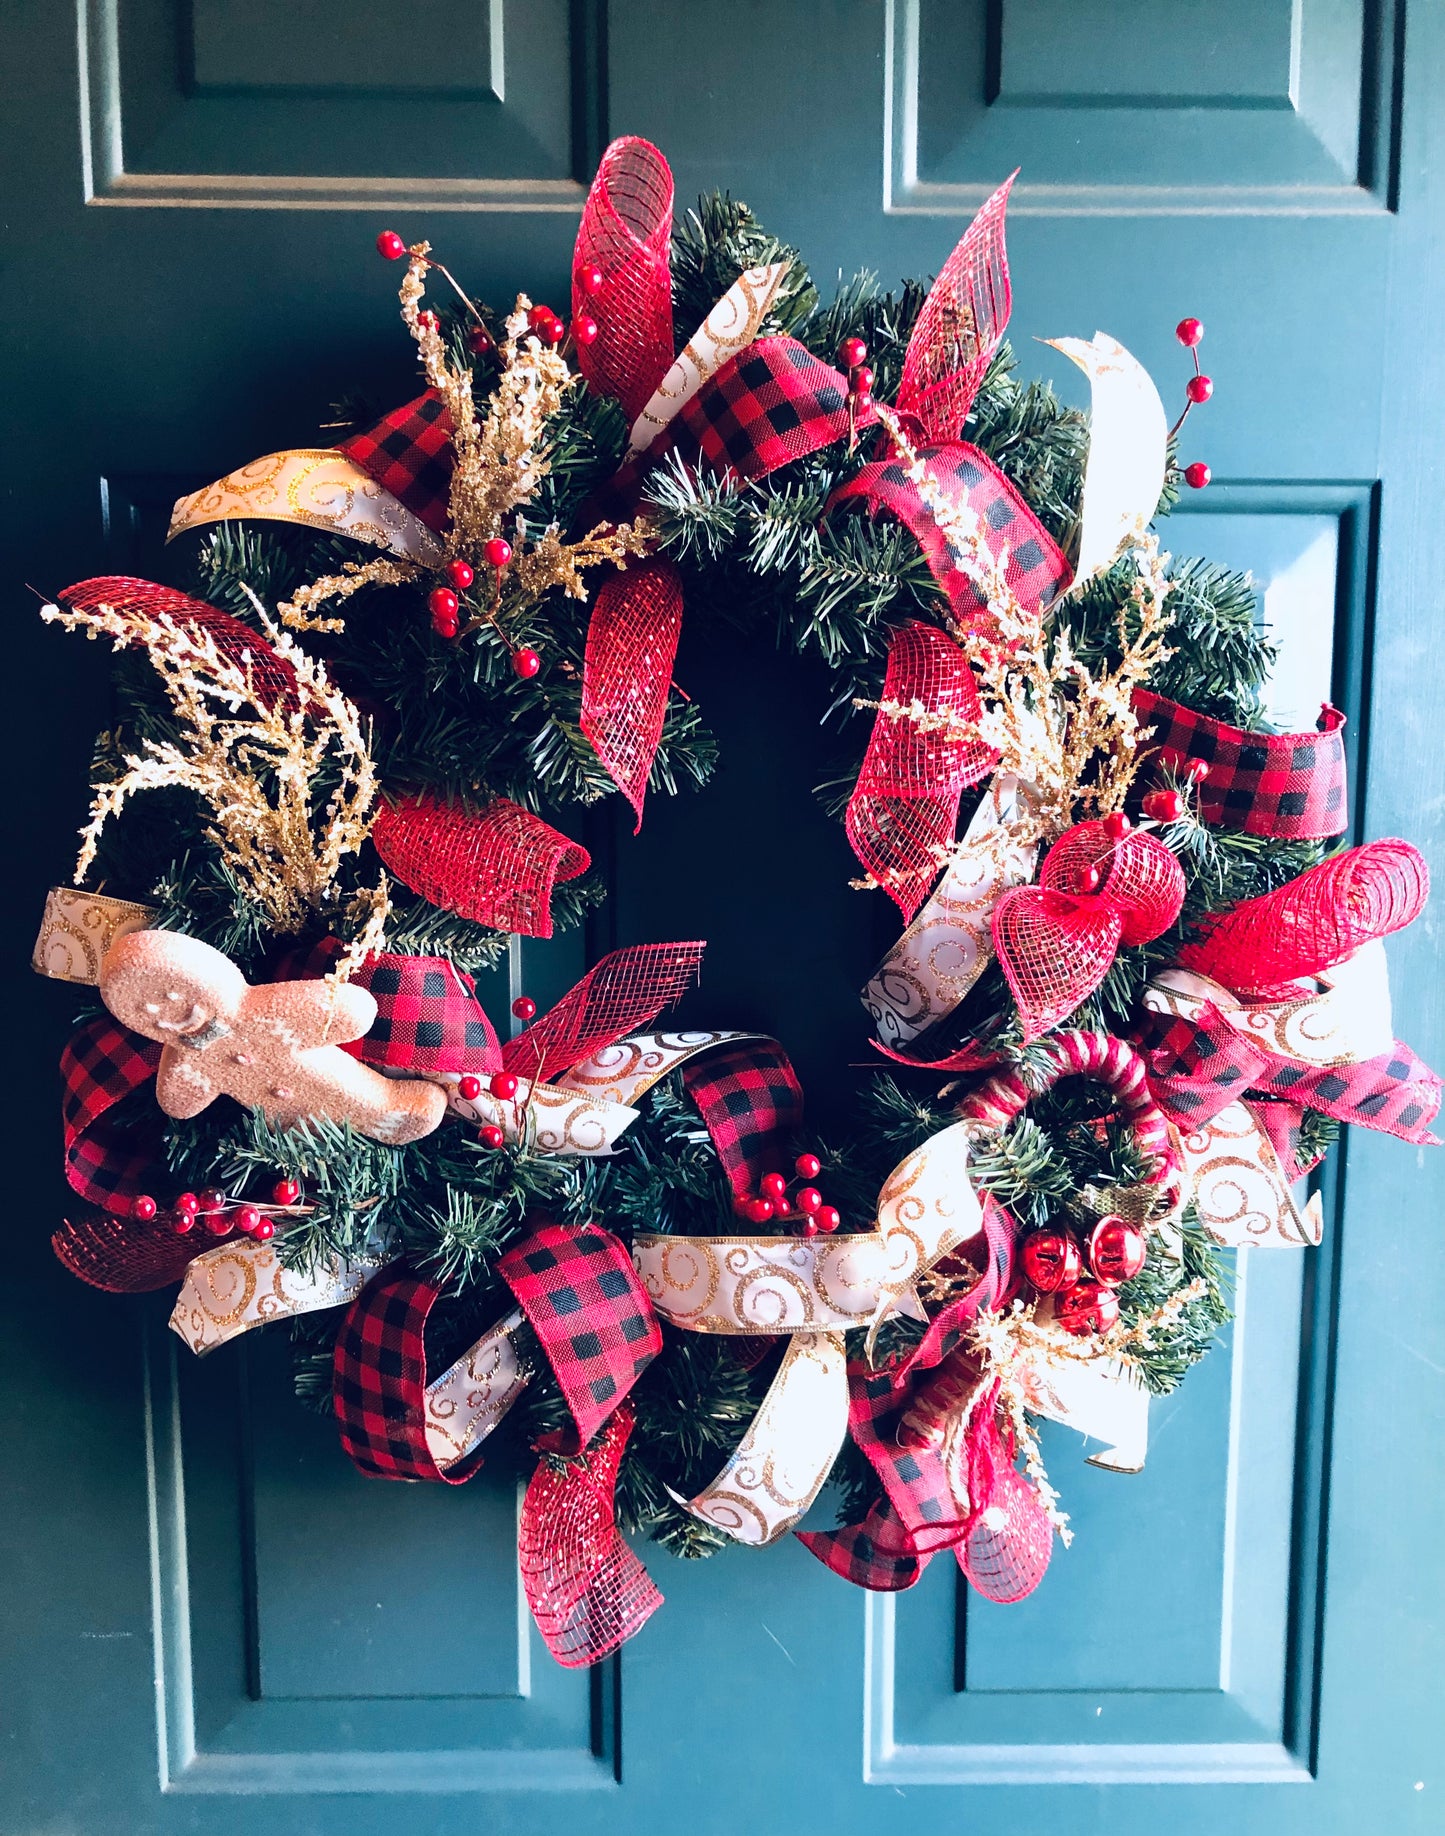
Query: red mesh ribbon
(586,1304)
(497,867)
(102,1062)
(124,1256)
(272,676)
(959,328)
(409,452)
(904,807)
(1009,1539)
(1036,568)
(1055,941)
(1316,920)
(625,231)
(428,1018)
(1281,784)
(626,990)
(749,1098)
(587,1590)
(631,643)
(1113,1062)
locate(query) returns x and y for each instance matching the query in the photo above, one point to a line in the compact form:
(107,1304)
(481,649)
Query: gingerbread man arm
(182,1088)
(313,1013)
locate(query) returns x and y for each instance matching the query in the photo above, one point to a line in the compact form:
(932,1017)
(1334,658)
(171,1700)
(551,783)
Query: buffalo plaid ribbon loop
(409,451)
(770,404)
(379,1377)
(428,1018)
(750,1100)
(106,1163)
(1280,784)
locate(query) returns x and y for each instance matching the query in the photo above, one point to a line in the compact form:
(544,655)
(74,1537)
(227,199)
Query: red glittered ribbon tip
(627,671)
(625,991)
(625,233)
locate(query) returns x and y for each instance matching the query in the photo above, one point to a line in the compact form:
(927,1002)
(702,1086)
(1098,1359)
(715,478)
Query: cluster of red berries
(445,606)
(853,357)
(772,1204)
(220,1213)
(501,1084)
(1054,1263)
(1198,389)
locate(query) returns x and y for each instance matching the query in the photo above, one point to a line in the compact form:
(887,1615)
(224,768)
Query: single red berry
(525,663)
(1164,805)
(469,1086)
(809,1227)
(183,1222)
(1116,825)
(286,1191)
(247,1218)
(553,332)
(188,1202)
(143,1206)
(498,552)
(539,315)
(390,245)
(772,1186)
(443,602)
(212,1199)
(1117,1250)
(1199,388)
(426,321)
(852,352)
(862,401)
(503,1084)
(590,280)
(1092,877)
(1086,1308)
(862,380)
(460,573)
(807,1166)
(1050,1259)
(759,1210)
(263,1230)
(1198,475)
(585,329)
(445,627)
(219,1223)
(829,1218)
(810,1199)
(1197,770)
(524,1007)
(479,341)
(1189,332)
(741,1201)
(491,1136)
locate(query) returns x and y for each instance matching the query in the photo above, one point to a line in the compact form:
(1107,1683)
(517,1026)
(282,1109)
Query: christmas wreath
(1139,988)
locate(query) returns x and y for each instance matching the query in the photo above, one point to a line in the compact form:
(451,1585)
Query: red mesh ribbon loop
(626,231)
(1113,1062)
(959,328)
(409,452)
(631,643)
(1009,1540)
(1316,920)
(1036,568)
(587,1591)
(428,1018)
(122,1256)
(1055,941)
(272,676)
(904,808)
(623,992)
(750,1100)
(497,867)
(1281,784)
(379,1379)
(586,1304)
(101,1063)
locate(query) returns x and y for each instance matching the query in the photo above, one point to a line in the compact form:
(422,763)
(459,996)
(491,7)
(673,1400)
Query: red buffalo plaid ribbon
(107,1162)
(1036,568)
(428,1018)
(752,1105)
(1280,784)
(409,451)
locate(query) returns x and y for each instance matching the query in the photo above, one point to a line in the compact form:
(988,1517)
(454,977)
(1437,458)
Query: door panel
(212,1624)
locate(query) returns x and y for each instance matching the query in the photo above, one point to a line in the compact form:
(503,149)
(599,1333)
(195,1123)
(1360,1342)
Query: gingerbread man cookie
(276,1047)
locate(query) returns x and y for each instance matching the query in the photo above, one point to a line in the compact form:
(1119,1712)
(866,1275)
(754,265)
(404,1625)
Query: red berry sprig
(1198,389)
(771,1202)
(524,1007)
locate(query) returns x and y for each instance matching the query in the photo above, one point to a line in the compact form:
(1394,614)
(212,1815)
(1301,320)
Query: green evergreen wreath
(471,667)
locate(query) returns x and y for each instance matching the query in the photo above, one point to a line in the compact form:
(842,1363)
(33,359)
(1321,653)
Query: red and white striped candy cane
(1115,1063)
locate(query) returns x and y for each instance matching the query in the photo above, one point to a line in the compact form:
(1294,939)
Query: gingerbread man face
(275,1047)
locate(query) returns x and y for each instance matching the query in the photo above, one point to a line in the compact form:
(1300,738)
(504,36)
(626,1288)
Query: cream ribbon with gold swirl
(466,1402)
(319,487)
(1099,1397)
(730,327)
(240,1285)
(78,928)
(949,944)
(1240,1189)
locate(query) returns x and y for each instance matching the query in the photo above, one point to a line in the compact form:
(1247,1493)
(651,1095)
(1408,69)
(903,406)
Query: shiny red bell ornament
(1117,1250)
(1050,1259)
(1088,1307)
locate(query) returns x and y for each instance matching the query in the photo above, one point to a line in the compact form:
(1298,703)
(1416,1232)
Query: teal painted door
(210,1624)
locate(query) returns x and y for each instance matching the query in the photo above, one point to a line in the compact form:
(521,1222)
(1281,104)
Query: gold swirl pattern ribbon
(731,326)
(1101,1398)
(623,1072)
(243,1284)
(1240,1189)
(319,487)
(1128,437)
(746,1285)
(467,1401)
(77,929)
(949,944)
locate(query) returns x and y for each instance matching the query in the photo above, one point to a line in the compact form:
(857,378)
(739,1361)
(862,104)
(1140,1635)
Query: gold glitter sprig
(298,613)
